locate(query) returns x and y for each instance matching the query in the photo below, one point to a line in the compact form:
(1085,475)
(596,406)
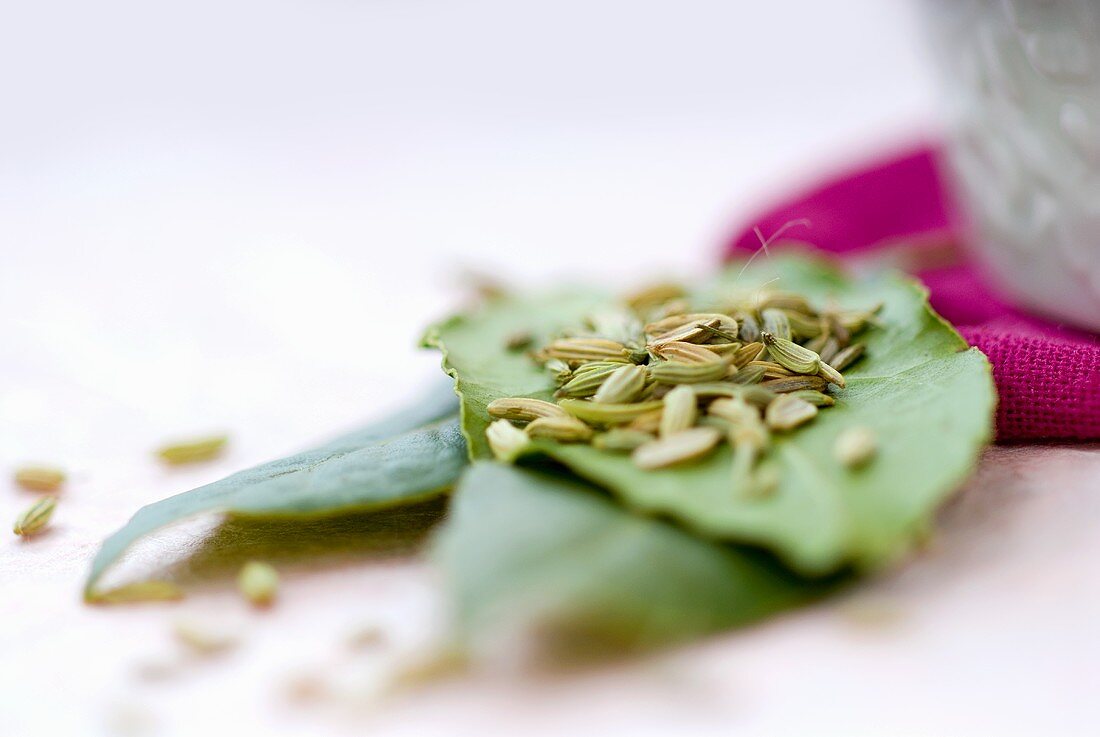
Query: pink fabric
(1047,376)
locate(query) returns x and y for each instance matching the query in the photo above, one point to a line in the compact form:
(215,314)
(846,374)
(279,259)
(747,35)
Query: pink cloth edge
(1047,376)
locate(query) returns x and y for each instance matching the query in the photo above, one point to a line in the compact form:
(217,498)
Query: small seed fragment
(35,518)
(563,429)
(523,409)
(683,446)
(622,385)
(787,412)
(506,440)
(39,478)
(791,355)
(855,446)
(258,582)
(193,451)
(679,412)
(621,439)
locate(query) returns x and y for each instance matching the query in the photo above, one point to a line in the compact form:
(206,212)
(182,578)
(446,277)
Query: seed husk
(804,325)
(204,638)
(829,350)
(816,398)
(675,322)
(847,356)
(193,451)
(562,429)
(787,412)
(772,370)
(855,446)
(693,332)
(35,518)
(749,375)
(680,447)
(686,352)
(523,409)
(258,582)
(621,439)
(39,478)
(677,372)
(506,440)
(776,323)
(791,355)
(622,385)
(679,412)
(608,414)
(748,353)
(723,350)
(831,374)
(588,349)
(795,383)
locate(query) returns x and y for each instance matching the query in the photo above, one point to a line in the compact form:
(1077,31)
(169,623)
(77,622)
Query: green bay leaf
(527,552)
(417,454)
(926,395)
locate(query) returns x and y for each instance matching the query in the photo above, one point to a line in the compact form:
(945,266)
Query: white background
(238,215)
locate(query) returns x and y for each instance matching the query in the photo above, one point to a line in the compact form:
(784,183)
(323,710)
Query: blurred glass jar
(1022,79)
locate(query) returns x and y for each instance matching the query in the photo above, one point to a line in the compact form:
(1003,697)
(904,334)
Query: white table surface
(238,215)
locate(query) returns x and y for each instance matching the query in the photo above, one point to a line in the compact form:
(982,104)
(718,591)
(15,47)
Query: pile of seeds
(668,381)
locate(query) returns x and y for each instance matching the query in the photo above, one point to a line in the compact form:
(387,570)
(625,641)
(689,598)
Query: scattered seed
(193,451)
(683,446)
(35,518)
(855,446)
(39,478)
(258,582)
